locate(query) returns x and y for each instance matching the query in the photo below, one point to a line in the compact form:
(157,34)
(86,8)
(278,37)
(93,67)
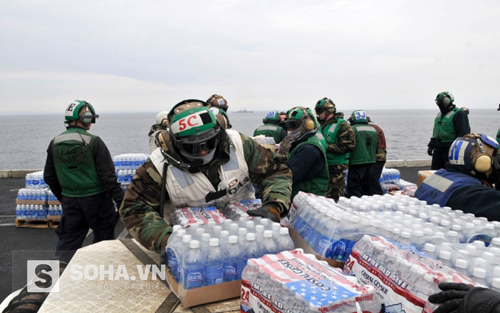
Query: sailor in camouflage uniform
(200,163)
(340,142)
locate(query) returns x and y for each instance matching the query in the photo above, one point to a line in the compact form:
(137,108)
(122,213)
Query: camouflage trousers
(336,181)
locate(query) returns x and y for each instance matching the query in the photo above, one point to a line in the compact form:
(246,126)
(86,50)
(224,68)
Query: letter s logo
(41,272)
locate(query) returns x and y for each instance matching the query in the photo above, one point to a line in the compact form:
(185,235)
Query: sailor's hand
(462,298)
(429,151)
(269,210)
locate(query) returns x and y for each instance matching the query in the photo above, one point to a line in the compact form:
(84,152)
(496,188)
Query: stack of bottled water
(50,196)
(31,212)
(331,229)
(32,194)
(238,210)
(207,254)
(54,210)
(407,275)
(35,180)
(126,165)
(295,282)
(188,216)
(390,175)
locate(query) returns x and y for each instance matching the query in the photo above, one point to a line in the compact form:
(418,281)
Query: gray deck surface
(21,244)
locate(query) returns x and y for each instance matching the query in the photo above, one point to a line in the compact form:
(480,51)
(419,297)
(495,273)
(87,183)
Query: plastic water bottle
(444,257)
(172,249)
(180,258)
(284,241)
(194,266)
(18,211)
(214,264)
(461,267)
(205,243)
(268,245)
(242,235)
(478,275)
(251,248)
(233,263)
(430,250)
(259,234)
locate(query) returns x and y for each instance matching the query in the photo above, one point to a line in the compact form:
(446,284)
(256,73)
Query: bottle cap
(205,236)
(259,229)
(199,231)
(250,236)
(283,231)
(429,247)
(445,255)
(250,224)
(232,239)
(496,282)
(479,272)
(264,221)
(180,233)
(176,228)
(194,244)
(461,263)
(405,234)
(496,241)
(217,229)
(214,242)
(276,226)
(186,238)
(268,234)
(224,234)
(242,231)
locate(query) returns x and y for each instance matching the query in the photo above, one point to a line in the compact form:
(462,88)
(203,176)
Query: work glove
(269,210)
(462,298)
(429,151)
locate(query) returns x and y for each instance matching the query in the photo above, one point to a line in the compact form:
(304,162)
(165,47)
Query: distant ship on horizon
(244,111)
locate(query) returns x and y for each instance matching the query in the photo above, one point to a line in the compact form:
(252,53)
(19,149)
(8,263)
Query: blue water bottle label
(194,278)
(215,275)
(230,271)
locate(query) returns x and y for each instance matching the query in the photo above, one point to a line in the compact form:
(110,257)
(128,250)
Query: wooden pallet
(36,223)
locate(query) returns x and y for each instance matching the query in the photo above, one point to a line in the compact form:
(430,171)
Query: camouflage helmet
(80,110)
(272,117)
(358,116)
(325,104)
(194,130)
(445,98)
(217,101)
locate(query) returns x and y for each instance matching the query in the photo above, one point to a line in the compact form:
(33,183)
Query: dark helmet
(194,130)
(299,121)
(475,153)
(272,117)
(325,104)
(444,99)
(217,101)
(80,110)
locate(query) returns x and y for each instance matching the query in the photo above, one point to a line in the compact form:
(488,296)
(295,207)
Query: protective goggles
(292,124)
(196,149)
(319,110)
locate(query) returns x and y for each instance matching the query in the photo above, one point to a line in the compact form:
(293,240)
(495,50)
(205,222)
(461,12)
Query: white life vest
(191,189)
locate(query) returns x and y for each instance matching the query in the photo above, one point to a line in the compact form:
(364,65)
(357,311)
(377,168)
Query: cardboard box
(35,202)
(299,242)
(422,175)
(53,202)
(206,294)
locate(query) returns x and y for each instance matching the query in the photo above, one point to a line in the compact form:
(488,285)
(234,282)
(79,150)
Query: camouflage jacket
(345,135)
(140,207)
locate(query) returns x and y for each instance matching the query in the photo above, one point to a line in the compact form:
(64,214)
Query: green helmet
(358,116)
(444,98)
(301,117)
(194,130)
(325,104)
(272,117)
(80,110)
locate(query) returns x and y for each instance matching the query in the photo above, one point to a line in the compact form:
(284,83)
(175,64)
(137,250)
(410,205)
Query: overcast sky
(128,56)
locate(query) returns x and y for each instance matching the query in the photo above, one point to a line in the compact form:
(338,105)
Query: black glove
(462,298)
(269,211)
(429,151)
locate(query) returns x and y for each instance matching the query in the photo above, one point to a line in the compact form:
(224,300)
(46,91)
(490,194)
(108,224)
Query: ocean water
(25,138)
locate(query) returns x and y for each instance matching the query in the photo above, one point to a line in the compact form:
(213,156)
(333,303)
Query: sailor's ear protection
(221,120)
(482,160)
(88,116)
(163,139)
(164,123)
(308,124)
(446,100)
